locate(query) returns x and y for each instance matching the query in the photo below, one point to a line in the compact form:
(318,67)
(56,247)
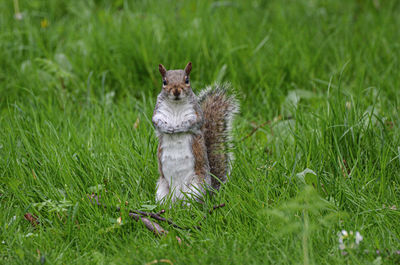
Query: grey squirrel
(194,136)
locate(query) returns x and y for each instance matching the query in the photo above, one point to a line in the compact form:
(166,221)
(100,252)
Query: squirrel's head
(176,83)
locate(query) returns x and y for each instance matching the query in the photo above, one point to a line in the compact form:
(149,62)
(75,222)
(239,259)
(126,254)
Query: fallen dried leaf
(160,261)
(32,219)
(136,124)
(34,174)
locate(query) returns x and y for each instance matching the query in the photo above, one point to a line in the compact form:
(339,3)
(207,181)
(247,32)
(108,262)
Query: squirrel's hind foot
(162,189)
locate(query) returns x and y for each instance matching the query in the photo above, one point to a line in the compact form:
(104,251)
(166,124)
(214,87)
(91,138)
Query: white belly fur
(177,161)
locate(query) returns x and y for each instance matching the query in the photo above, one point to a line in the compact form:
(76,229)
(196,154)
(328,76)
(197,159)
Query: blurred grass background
(78,81)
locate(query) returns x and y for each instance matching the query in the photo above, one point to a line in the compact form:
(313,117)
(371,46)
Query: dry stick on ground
(216,207)
(158,217)
(152,226)
(263,124)
(255,129)
(138,212)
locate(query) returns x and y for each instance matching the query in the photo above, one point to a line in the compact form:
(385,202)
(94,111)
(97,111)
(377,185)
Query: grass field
(78,82)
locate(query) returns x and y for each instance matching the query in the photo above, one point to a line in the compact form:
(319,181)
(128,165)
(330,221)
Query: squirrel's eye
(164,82)
(187,80)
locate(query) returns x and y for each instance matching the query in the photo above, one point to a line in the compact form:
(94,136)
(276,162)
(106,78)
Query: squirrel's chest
(175,114)
(177,160)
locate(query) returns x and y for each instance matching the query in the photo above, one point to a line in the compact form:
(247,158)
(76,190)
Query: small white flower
(359,238)
(18,16)
(349,240)
(342,235)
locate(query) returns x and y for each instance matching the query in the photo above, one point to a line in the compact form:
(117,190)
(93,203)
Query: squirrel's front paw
(170,130)
(157,122)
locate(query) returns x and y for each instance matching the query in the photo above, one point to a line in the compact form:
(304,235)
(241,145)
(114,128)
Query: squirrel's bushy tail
(219,109)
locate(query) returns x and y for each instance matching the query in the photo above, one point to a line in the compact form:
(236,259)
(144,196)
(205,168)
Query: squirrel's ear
(188,68)
(162,70)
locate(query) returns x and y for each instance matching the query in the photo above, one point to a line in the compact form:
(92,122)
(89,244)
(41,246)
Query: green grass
(76,99)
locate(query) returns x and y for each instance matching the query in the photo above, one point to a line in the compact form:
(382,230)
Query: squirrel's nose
(176,92)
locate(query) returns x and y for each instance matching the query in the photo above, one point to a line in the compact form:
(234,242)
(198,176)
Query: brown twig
(216,207)
(254,130)
(158,218)
(138,212)
(152,226)
(279,118)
